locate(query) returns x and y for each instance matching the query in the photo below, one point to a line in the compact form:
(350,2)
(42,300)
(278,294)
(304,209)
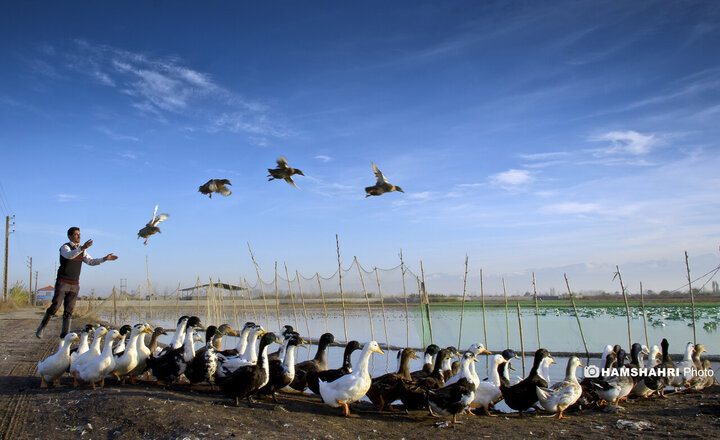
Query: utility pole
(29,263)
(34,297)
(7,234)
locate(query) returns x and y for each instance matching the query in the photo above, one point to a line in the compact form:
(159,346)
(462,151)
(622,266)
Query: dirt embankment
(147,411)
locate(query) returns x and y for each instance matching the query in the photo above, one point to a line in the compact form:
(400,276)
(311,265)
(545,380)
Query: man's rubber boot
(67,321)
(41,328)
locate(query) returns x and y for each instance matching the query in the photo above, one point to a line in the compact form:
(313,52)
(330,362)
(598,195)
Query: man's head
(74,234)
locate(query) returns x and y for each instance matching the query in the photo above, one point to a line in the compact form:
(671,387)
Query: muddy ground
(146,411)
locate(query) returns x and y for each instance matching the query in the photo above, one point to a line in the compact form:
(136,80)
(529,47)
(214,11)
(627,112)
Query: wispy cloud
(512,179)
(569,208)
(323,158)
(62,198)
(129,155)
(117,137)
(165,87)
(626,142)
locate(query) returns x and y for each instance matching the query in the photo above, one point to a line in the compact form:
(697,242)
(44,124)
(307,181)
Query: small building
(46,293)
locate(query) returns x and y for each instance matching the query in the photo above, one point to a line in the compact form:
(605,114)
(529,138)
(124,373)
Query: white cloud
(129,155)
(512,178)
(323,158)
(626,142)
(62,198)
(571,208)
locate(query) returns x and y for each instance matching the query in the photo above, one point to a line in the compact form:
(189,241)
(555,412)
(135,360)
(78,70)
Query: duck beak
(511,367)
(552,361)
(379,351)
(413,355)
(485,351)
(232,332)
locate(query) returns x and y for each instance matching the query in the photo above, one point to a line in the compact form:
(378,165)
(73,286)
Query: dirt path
(147,411)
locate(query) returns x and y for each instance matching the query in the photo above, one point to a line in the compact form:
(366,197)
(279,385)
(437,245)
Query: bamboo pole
(627,307)
(367,299)
(482,297)
(177,301)
(322,296)
(382,307)
(507,315)
(522,343)
(114,295)
(407,310)
(250,299)
(422,312)
(302,299)
(462,307)
(277,301)
(292,299)
(642,306)
(692,296)
(427,301)
(572,300)
(342,296)
(234,304)
(262,288)
(207,303)
(537,311)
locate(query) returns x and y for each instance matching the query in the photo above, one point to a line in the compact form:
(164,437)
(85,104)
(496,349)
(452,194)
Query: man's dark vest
(69,271)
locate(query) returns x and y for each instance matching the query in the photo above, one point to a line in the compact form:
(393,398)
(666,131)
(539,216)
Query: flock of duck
(282,171)
(442,386)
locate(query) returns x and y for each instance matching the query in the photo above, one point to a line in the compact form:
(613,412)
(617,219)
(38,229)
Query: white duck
(55,365)
(488,391)
(350,387)
(544,368)
(686,368)
(562,394)
(477,349)
(92,353)
(144,352)
(99,367)
(128,359)
(83,346)
(228,364)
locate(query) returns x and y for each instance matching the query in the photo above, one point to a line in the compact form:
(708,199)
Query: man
(67,285)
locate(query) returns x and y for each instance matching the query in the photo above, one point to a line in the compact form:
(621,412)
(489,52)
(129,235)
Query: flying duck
(215,186)
(152,226)
(283,171)
(382,185)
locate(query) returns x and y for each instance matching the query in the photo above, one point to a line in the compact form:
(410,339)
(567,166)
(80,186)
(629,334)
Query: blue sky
(532,136)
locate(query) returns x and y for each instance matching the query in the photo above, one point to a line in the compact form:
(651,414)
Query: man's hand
(87,244)
(110,257)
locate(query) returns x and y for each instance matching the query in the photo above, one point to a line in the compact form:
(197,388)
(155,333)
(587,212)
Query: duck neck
(108,348)
(188,346)
(140,344)
(321,355)
(570,373)
(347,363)
(179,337)
(262,362)
(494,375)
(95,347)
(404,370)
(251,353)
(242,343)
(688,354)
(65,350)
(154,342)
(83,346)
(363,362)
(289,360)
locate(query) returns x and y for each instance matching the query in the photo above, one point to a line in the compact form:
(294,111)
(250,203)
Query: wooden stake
(627,307)
(292,299)
(407,310)
(537,311)
(642,306)
(572,300)
(342,296)
(322,296)
(262,288)
(367,299)
(302,299)
(462,307)
(482,296)
(692,296)
(427,302)
(277,301)
(522,344)
(507,316)
(382,307)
